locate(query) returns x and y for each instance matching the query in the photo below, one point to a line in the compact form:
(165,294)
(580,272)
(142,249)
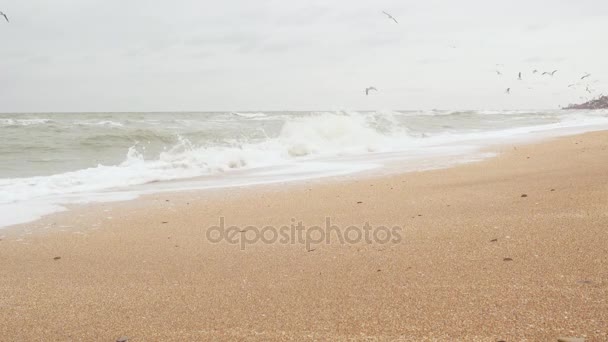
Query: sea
(51,160)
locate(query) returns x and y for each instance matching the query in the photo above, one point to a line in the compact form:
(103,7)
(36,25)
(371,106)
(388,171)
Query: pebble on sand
(524,195)
(507,259)
(56,258)
(494,240)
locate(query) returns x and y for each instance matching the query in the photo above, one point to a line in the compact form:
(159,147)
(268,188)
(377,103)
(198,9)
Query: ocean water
(49,160)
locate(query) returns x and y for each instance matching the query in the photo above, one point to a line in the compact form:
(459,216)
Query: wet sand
(512,248)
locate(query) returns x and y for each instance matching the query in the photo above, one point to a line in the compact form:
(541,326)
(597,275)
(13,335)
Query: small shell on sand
(570,339)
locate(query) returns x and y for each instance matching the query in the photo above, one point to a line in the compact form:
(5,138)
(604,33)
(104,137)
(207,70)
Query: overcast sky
(199,55)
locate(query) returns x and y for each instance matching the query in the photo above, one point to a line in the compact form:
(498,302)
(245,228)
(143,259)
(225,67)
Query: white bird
(391,17)
(550,73)
(368,89)
(5,17)
(508,91)
(582,78)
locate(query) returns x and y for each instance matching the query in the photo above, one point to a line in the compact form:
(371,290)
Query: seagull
(571,85)
(508,91)
(5,17)
(587,90)
(550,73)
(535,71)
(367,90)
(519,76)
(498,73)
(582,78)
(391,17)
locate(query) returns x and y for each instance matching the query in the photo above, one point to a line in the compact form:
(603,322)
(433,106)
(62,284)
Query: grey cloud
(243,54)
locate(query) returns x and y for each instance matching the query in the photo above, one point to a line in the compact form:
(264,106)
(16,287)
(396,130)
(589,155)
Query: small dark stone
(552,189)
(524,195)
(56,258)
(359,202)
(166,200)
(419,215)
(165,222)
(507,259)
(378,270)
(494,240)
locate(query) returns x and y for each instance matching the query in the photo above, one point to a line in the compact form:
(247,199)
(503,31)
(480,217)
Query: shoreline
(28,199)
(144,269)
(381,165)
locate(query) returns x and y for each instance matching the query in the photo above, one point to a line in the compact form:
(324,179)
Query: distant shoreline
(597,103)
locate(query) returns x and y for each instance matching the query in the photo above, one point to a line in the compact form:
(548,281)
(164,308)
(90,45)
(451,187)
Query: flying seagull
(391,17)
(587,89)
(508,91)
(535,71)
(519,76)
(571,85)
(367,90)
(550,73)
(582,78)
(5,17)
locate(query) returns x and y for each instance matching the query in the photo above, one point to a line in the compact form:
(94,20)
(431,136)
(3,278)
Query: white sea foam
(344,142)
(108,123)
(249,115)
(24,122)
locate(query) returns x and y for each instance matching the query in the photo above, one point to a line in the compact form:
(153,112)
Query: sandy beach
(513,248)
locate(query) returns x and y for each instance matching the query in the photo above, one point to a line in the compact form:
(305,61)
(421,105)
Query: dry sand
(476,260)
